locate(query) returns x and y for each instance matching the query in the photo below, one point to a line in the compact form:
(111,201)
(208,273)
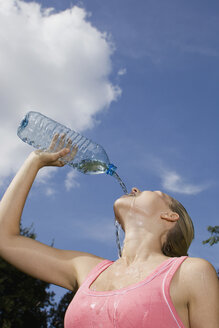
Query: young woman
(153,285)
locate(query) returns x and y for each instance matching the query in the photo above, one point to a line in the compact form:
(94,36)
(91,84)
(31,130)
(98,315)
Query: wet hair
(181,235)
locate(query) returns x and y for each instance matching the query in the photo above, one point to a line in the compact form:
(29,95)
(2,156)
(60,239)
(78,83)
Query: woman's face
(141,205)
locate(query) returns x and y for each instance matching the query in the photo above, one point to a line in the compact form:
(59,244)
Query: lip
(128,195)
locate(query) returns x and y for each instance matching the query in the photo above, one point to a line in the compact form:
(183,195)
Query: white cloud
(70,181)
(54,63)
(197,49)
(173,182)
(50,191)
(45,174)
(122,71)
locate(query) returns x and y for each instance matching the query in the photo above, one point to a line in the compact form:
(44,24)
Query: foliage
(58,312)
(214,239)
(24,301)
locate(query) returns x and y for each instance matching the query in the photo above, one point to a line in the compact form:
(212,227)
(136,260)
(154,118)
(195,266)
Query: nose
(135,190)
(159,192)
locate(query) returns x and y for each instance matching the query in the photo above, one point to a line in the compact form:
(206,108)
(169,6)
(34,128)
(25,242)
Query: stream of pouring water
(95,166)
(115,175)
(117,225)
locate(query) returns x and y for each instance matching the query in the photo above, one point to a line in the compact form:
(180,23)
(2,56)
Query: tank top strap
(166,288)
(95,272)
(173,268)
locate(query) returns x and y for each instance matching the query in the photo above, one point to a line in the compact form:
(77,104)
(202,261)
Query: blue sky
(143,83)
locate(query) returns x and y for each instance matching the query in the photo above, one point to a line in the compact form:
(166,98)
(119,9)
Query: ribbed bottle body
(38,130)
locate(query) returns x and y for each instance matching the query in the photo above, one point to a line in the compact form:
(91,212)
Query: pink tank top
(146,304)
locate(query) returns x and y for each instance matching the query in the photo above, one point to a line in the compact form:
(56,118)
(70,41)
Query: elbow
(5,242)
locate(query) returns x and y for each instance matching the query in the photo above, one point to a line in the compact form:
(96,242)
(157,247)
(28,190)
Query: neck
(141,246)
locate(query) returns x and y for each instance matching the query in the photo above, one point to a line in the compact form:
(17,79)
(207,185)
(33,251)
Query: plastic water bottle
(38,130)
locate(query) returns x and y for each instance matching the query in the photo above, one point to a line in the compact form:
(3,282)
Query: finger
(58,159)
(63,152)
(61,164)
(69,146)
(61,142)
(65,155)
(72,153)
(75,147)
(53,142)
(69,143)
(58,163)
(54,157)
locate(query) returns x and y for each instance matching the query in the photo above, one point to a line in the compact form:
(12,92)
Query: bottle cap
(111,169)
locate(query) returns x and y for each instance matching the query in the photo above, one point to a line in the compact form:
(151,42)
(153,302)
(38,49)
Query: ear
(169,216)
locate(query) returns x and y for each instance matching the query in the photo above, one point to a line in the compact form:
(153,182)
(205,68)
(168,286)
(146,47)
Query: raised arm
(63,268)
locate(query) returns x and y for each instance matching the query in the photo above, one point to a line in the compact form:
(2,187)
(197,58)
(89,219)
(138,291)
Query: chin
(118,202)
(122,201)
(120,205)
(116,207)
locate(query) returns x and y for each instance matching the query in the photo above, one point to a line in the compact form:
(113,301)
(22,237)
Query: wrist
(34,160)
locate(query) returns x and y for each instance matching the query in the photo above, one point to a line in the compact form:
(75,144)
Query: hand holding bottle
(37,130)
(56,154)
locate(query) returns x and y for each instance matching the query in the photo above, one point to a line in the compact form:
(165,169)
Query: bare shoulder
(197,274)
(197,261)
(83,264)
(195,265)
(202,285)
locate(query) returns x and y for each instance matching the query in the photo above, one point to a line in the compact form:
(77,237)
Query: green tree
(58,312)
(24,301)
(214,239)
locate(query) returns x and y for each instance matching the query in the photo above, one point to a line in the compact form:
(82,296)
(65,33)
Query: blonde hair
(181,235)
